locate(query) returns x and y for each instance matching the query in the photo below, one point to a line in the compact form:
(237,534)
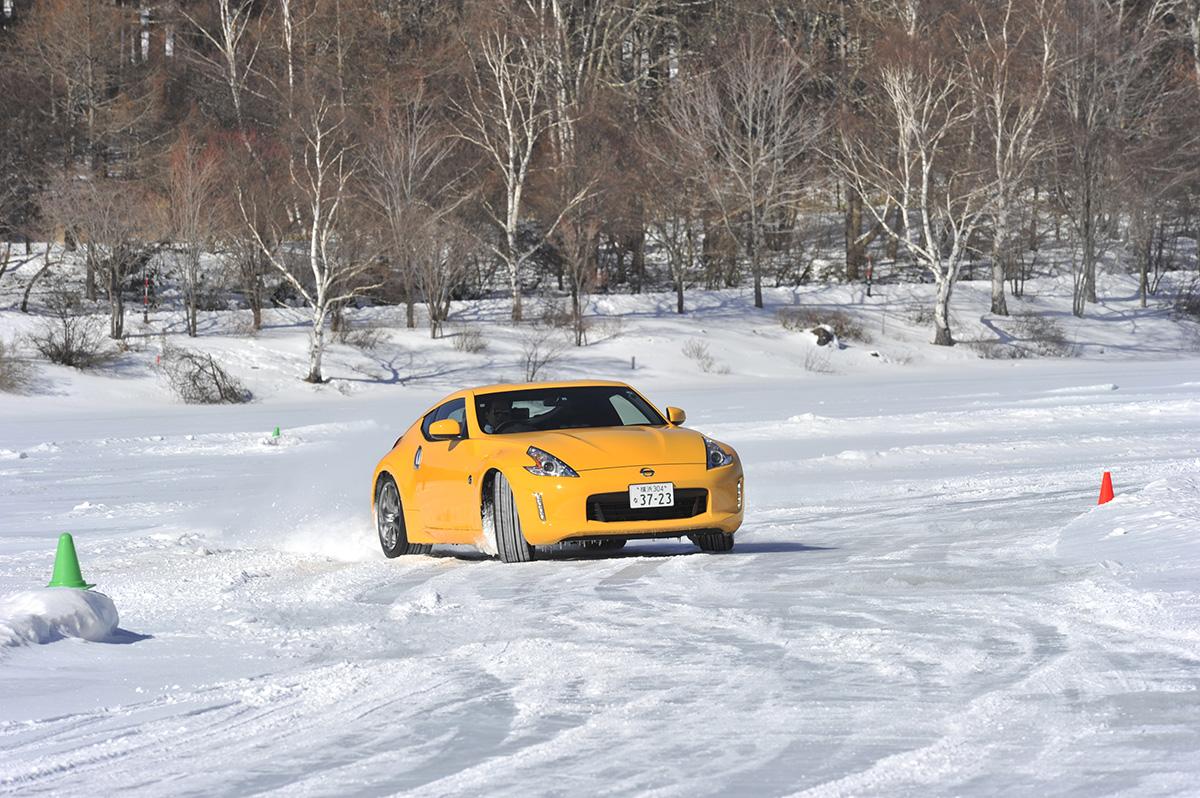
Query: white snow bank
(52,613)
(1083,389)
(1153,533)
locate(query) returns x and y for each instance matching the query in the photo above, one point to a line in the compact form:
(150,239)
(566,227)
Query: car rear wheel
(510,541)
(713,542)
(389,521)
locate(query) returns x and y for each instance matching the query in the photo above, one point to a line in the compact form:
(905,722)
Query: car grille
(607,507)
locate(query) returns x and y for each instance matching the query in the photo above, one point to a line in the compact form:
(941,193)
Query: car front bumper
(555,509)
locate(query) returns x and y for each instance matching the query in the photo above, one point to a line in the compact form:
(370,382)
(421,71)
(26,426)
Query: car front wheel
(510,541)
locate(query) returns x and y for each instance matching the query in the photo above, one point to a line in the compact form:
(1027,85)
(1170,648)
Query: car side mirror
(676,416)
(447,429)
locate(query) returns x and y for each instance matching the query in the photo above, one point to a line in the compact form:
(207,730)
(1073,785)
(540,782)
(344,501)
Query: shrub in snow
(1042,335)
(697,351)
(69,337)
(540,347)
(470,339)
(556,314)
(14,372)
(845,326)
(1187,301)
(243,325)
(920,314)
(817,361)
(997,350)
(367,339)
(609,327)
(52,613)
(198,379)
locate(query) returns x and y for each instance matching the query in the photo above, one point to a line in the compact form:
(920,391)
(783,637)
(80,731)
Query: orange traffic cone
(1106,490)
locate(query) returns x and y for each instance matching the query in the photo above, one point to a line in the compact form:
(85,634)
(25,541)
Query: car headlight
(548,465)
(714,455)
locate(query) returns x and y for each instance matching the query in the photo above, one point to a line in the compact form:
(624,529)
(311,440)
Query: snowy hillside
(924,599)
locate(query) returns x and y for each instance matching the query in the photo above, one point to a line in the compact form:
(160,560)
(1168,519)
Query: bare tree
(581,173)
(931,171)
(115,222)
(74,41)
(42,271)
(439,252)
(1157,169)
(234,48)
(319,181)
(1111,53)
(28,151)
(407,188)
(1191,13)
(583,45)
(504,114)
(245,174)
(193,212)
(673,200)
(95,103)
(752,130)
(1011,61)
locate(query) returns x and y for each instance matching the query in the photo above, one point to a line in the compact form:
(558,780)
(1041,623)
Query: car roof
(498,388)
(521,386)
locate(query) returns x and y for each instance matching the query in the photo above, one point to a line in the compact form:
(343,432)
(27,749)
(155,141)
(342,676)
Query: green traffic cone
(275,434)
(66,565)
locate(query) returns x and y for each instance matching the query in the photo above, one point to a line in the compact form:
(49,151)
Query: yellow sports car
(510,468)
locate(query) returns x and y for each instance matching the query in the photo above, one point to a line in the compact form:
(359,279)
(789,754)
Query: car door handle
(417,459)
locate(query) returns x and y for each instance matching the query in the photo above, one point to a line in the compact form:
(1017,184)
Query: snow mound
(52,613)
(1153,534)
(1083,389)
(426,602)
(85,507)
(10,454)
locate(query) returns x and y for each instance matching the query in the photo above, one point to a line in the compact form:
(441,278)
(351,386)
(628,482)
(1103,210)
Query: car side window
(455,410)
(430,417)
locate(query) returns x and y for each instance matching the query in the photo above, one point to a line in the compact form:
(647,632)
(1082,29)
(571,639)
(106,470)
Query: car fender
(505,460)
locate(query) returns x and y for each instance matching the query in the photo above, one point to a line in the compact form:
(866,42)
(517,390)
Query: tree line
(411,150)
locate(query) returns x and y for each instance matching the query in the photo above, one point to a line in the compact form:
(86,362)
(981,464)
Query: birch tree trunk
(1001,256)
(941,311)
(855,250)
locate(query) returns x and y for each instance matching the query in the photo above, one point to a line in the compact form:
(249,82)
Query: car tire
(389,521)
(510,541)
(713,542)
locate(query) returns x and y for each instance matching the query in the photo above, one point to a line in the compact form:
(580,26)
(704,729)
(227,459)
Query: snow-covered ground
(924,600)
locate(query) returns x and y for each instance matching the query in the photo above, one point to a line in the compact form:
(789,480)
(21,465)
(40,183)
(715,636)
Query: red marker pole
(870,274)
(145,297)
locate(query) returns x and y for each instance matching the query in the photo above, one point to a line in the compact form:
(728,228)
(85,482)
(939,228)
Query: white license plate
(652,494)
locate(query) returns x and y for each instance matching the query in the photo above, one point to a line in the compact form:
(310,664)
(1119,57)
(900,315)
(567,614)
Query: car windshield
(542,409)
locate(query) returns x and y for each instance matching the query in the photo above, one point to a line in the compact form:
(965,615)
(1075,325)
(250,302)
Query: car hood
(619,447)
